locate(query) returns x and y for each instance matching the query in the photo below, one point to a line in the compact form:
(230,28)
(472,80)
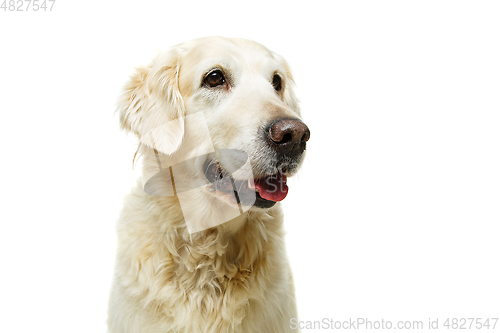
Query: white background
(395,214)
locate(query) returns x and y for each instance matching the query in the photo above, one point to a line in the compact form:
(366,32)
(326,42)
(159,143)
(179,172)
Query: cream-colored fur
(234,277)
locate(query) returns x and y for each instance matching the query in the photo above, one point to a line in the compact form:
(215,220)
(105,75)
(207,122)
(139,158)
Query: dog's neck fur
(196,272)
(237,245)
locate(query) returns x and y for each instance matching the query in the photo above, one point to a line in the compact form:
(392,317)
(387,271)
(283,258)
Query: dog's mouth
(262,192)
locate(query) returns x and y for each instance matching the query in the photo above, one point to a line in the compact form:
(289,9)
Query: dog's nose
(288,136)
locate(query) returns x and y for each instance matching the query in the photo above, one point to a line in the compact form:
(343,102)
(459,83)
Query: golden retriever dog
(200,238)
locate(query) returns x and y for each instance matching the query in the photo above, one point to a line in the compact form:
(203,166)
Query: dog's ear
(151,97)
(289,94)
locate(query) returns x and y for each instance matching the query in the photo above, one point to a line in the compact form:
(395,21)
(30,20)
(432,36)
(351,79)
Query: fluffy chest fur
(232,279)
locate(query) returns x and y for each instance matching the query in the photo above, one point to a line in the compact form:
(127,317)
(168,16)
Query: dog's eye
(214,79)
(277,82)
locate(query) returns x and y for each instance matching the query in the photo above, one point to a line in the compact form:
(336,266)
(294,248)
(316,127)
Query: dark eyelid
(207,73)
(213,70)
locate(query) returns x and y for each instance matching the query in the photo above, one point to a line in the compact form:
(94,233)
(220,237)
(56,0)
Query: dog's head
(220,103)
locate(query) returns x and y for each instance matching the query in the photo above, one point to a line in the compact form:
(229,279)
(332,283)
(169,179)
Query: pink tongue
(272,188)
